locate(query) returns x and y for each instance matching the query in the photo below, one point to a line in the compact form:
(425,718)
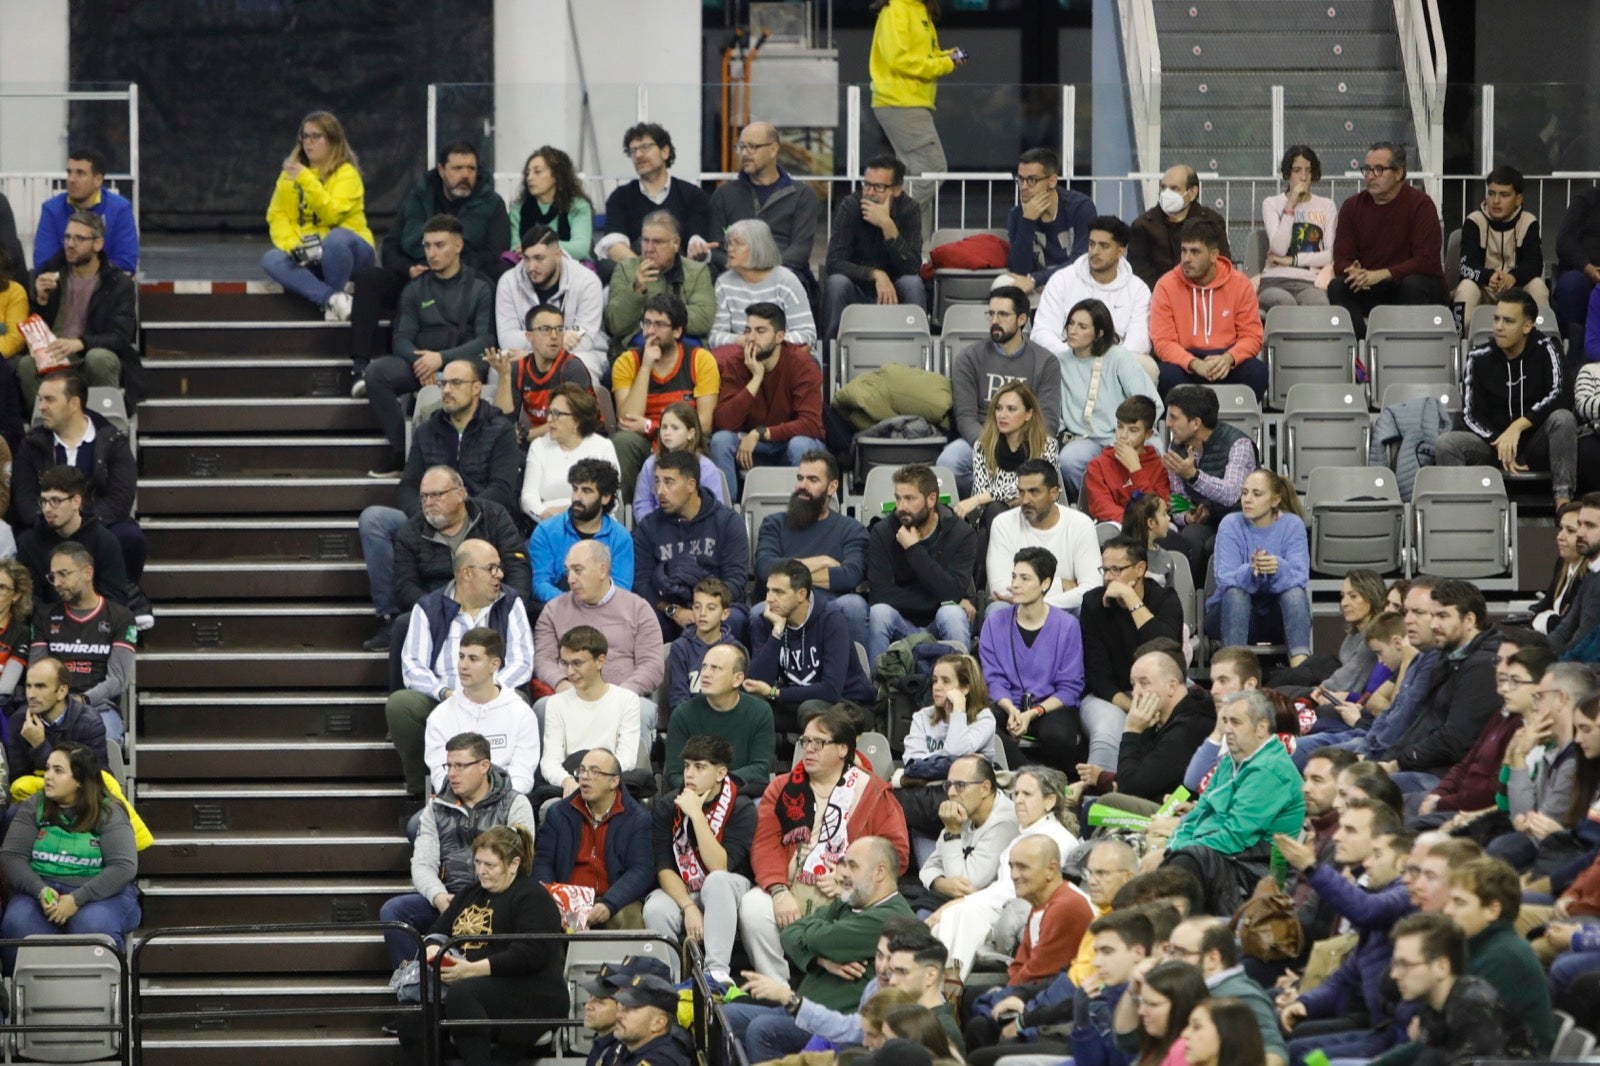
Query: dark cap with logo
(648,990)
(613,975)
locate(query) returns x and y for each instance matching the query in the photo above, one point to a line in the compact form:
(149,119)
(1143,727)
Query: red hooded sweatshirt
(1186,318)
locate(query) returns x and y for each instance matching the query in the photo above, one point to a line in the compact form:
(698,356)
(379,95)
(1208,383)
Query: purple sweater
(1052,667)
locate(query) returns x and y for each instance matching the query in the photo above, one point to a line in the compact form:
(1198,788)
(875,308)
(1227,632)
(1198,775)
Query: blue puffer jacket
(1365,969)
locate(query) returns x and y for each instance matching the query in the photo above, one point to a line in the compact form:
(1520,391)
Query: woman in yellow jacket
(13,309)
(317,218)
(905,65)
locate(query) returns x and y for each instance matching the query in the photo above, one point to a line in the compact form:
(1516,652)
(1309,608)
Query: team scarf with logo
(797,810)
(684,852)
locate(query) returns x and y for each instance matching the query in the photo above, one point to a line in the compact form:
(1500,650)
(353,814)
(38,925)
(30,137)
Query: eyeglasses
(638,149)
(595,771)
(957,787)
(1373,171)
(456,383)
(573,664)
(1507,681)
(73,238)
(494,569)
(815,743)
(430,497)
(656,242)
(1113,571)
(462,766)
(1102,875)
(554,413)
(878,186)
(62,575)
(313,135)
(1029,181)
(547,330)
(1402,965)
(1541,693)
(992,315)
(1179,953)
(53,501)
(654,323)
(745,148)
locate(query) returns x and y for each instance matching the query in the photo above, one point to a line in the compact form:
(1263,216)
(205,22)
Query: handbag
(1267,926)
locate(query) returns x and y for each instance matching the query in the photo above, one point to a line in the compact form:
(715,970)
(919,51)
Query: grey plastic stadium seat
(1308,345)
(1411,344)
(878,335)
(1357,520)
(1324,425)
(1463,525)
(961,326)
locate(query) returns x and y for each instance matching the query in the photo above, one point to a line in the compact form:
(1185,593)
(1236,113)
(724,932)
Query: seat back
(1461,522)
(878,335)
(1104,531)
(954,288)
(1237,405)
(1452,253)
(108,402)
(1181,580)
(1357,520)
(875,747)
(891,453)
(1255,252)
(70,985)
(429,399)
(1324,425)
(766,491)
(1308,345)
(608,408)
(1412,344)
(963,324)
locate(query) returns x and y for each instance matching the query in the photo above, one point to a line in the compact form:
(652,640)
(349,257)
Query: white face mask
(1172,202)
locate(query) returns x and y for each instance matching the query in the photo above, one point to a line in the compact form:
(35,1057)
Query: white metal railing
(1422,54)
(1141,55)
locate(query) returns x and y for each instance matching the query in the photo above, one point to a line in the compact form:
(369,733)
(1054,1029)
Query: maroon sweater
(1401,236)
(1471,783)
(789,402)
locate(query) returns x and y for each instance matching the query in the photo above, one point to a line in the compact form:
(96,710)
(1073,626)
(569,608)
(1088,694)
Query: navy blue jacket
(485,454)
(1364,970)
(630,858)
(716,536)
(820,651)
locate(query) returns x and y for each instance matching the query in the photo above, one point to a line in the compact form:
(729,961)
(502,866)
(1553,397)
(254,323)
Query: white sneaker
(338,309)
(358,391)
(144,622)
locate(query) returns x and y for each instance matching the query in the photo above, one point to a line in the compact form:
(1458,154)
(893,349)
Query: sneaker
(144,622)
(390,467)
(358,391)
(392,1027)
(379,641)
(337,308)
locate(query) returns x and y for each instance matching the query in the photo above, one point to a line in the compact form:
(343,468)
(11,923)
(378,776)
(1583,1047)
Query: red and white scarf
(796,809)
(684,852)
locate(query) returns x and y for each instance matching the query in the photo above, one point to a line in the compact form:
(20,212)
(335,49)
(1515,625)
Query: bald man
(765,190)
(1153,251)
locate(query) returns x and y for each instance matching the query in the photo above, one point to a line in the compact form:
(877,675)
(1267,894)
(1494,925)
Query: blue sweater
(1237,538)
(1052,667)
(553,538)
(1040,248)
(122,236)
(1363,971)
(715,535)
(813,662)
(837,536)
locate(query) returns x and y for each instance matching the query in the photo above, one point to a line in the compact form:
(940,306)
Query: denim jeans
(343,253)
(413,909)
(1240,618)
(725,451)
(379,526)
(767,1032)
(957,458)
(856,611)
(1410,781)
(840,292)
(885,625)
(1305,747)
(111,718)
(116,916)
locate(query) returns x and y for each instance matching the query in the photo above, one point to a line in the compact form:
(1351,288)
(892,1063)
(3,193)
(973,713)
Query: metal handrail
(1141,53)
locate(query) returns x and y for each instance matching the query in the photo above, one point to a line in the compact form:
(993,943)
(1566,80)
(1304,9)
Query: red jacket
(1583,895)
(1061,924)
(876,814)
(1221,317)
(1108,487)
(789,402)
(1471,783)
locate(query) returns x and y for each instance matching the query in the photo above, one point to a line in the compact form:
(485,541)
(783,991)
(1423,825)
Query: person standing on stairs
(905,64)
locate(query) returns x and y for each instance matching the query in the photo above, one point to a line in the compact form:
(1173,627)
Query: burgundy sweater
(789,402)
(1471,783)
(1401,236)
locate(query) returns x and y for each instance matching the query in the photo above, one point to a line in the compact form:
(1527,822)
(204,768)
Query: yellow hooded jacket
(906,58)
(307,204)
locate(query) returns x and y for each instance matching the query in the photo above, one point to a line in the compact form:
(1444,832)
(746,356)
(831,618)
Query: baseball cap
(614,975)
(648,990)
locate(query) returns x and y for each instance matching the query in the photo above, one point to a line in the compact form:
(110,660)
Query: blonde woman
(317,218)
(1013,432)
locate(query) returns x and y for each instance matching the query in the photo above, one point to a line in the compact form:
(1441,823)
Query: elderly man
(660,267)
(979,821)
(765,190)
(1226,840)
(475,598)
(832,946)
(1386,244)
(599,838)
(635,660)
(1153,248)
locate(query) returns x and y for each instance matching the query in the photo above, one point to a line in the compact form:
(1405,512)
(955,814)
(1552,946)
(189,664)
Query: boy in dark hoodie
(713,603)
(691,532)
(803,658)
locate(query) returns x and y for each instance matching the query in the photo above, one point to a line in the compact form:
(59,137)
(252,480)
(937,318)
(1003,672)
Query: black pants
(1415,290)
(377,291)
(388,378)
(1058,740)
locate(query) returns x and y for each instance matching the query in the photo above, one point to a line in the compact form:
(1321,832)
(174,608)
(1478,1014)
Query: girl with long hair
(1263,570)
(680,432)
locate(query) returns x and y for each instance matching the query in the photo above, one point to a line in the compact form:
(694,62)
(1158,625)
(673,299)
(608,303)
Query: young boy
(1340,722)
(713,603)
(1130,467)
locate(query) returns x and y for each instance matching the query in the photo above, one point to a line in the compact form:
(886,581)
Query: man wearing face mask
(455,187)
(1153,250)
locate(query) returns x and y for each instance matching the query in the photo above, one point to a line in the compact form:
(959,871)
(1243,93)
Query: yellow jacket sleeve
(339,201)
(906,59)
(283,214)
(13,309)
(28,784)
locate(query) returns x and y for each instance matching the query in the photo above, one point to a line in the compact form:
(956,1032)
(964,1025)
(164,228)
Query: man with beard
(89,304)
(1585,615)
(875,246)
(985,367)
(649,148)
(594,493)
(769,406)
(455,187)
(921,560)
(550,277)
(1040,520)
(660,268)
(801,661)
(831,545)
(1221,346)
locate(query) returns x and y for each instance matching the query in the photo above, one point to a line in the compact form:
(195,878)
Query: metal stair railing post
(1142,55)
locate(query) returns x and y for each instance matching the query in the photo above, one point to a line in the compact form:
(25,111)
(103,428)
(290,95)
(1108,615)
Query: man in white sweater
(482,705)
(592,713)
(1102,273)
(1040,521)
(979,821)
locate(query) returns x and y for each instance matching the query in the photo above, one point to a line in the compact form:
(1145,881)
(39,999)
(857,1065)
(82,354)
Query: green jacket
(689,279)
(1506,961)
(484,229)
(894,390)
(843,934)
(1246,804)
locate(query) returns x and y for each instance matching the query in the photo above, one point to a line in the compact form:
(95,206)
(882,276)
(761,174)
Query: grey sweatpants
(915,140)
(1553,446)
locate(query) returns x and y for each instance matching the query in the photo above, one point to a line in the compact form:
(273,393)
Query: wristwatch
(793,1006)
(763,433)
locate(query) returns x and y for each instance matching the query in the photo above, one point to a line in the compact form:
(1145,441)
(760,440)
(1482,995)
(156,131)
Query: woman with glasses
(317,218)
(1155,1011)
(1263,570)
(756,274)
(574,420)
(1097,375)
(553,196)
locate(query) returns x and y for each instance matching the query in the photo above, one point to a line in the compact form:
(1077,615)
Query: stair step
(244,337)
(1321,50)
(257,578)
(242,376)
(213,625)
(1354,89)
(347,1043)
(220,458)
(308,491)
(318,758)
(287,537)
(265,852)
(1251,127)
(1290,17)
(331,414)
(279,308)
(278,716)
(222,1000)
(202,809)
(219,901)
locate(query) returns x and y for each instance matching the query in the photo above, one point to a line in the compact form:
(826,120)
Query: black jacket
(422,562)
(1472,1025)
(1453,711)
(1578,240)
(485,454)
(1497,391)
(110,573)
(918,581)
(1110,636)
(1151,764)
(856,247)
(485,226)
(112,321)
(111,481)
(1153,242)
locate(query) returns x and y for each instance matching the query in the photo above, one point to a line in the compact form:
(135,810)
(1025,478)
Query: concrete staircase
(260,763)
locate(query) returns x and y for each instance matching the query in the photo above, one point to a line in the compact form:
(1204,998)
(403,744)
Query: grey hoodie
(578,293)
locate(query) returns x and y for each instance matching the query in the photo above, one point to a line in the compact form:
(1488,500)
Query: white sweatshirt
(506,722)
(575,724)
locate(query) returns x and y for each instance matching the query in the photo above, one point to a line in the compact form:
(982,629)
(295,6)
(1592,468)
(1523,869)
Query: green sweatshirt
(843,934)
(748,728)
(1246,803)
(1506,961)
